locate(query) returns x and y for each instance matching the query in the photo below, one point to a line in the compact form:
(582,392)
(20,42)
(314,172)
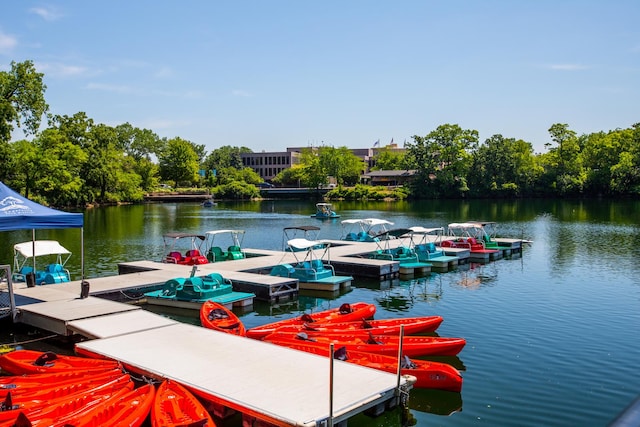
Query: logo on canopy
(12,206)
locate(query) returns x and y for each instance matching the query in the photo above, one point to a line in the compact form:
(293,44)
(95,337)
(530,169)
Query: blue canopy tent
(19,213)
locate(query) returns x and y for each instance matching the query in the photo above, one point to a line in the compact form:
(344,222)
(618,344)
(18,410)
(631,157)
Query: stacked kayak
(412,345)
(411,325)
(355,312)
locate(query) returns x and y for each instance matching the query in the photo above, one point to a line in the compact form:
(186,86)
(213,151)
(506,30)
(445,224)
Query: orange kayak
(216,316)
(432,375)
(20,362)
(130,409)
(412,345)
(20,383)
(38,410)
(175,406)
(412,326)
(355,312)
(29,392)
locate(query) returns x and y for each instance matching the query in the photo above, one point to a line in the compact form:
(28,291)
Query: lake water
(552,335)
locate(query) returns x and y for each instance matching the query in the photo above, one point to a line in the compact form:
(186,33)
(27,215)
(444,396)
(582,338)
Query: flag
(391,141)
(377,143)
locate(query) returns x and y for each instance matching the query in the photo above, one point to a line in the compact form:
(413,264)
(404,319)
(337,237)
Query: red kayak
(39,410)
(20,362)
(412,326)
(30,392)
(218,317)
(176,406)
(20,383)
(130,409)
(432,375)
(412,345)
(355,312)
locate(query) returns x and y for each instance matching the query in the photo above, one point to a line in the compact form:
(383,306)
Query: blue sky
(289,73)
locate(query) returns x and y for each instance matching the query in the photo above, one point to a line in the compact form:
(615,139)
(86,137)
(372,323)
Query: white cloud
(61,70)
(46,13)
(7,42)
(163,73)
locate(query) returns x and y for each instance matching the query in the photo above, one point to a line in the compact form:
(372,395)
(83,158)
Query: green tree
(503,166)
(21,99)
(442,160)
(389,159)
(291,177)
(341,164)
(225,157)
(179,162)
(564,171)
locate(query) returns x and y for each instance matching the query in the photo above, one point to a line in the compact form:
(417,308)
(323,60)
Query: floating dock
(229,371)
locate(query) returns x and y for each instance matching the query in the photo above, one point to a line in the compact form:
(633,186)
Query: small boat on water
(20,362)
(325,211)
(175,406)
(173,243)
(314,269)
(357,311)
(364,230)
(51,257)
(428,374)
(217,317)
(215,240)
(462,235)
(412,325)
(426,243)
(412,345)
(192,292)
(209,203)
(404,254)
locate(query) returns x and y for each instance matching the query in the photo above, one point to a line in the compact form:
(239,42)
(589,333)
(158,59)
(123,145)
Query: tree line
(74,161)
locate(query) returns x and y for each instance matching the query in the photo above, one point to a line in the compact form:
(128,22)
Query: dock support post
(330,424)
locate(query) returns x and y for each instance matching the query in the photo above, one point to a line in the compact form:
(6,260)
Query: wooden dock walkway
(275,384)
(228,370)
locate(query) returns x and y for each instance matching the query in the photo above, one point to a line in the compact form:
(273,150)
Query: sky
(268,75)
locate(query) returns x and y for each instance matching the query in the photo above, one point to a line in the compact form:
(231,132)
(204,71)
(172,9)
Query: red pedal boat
(357,311)
(412,345)
(412,326)
(20,362)
(176,406)
(218,317)
(432,375)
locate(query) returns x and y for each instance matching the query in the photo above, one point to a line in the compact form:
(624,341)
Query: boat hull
(217,317)
(412,346)
(175,406)
(354,312)
(20,362)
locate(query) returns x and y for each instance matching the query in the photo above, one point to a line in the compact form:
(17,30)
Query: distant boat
(325,211)
(209,203)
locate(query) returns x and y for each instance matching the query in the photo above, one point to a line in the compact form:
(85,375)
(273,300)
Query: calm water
(552,336)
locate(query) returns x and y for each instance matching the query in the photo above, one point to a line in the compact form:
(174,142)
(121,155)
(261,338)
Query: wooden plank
(54,315)
(118,324)
(236,371)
